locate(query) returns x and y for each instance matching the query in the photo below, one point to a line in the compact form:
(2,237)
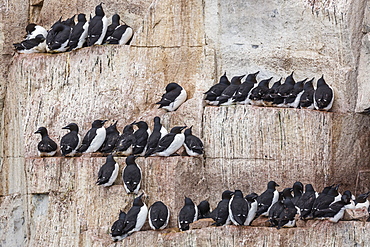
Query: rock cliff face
(55,202)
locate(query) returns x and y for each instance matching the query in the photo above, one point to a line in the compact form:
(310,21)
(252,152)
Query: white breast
(97,141)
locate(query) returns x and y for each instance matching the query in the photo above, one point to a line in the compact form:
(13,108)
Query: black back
(307,96)
(127,138)
(217,89)
(76,32)
(116,36)
(245,87)
(95,26)
(173,90)
(112,135)
(115,23)
(193,142)
(323,94)
(69,141)
(158,214)
(106,171)
(221,212)
(29,43)
(141,137)
(259,92)
(90,135)
(131,174)
(119,225)
(239,207)
(187,214)
(46,144)
(131,216)
(154,137)
(265,199)
(287,214)
(287,87)
(204,210)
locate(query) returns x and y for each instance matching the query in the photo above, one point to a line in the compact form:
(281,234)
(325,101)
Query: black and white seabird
(297,191)
(287,216)
(108,172)
(33,45)
(131,175)
(192,144)
(238,208)
(328,196)
(71,141)
(362,201)
(306,201)
(58,36)
(216,90)
(111,137)
(158,132)
(295,96)
(259,92)
(278,206)
(252,202)
(125,142)
(204,210)
(335,211)
(272,97)
(78,36)
(175,95)
(267,199)
(286,89)
(122,35)
(221,213)
(110,29)
(188,214)
(46,147)
(226,96)
(141,136)
(97,27)
(323,96)
(242,95)
(171,142)
(33,30)
(94,138)
(118,226)
(306,101)
(136,216)
(159,215)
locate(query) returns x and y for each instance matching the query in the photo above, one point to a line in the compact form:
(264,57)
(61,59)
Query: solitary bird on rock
(174,97)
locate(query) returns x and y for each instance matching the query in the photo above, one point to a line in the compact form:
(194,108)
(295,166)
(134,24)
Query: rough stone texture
(316,234)
(363,101)
(356,214)
(54,201)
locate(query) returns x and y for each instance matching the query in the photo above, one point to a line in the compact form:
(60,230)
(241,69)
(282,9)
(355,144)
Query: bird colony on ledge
(293,94)
(281,209)
(66,35)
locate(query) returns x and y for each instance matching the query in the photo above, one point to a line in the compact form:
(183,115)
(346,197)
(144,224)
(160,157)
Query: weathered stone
(356,214)
(55,202)
(261,221)
(202,223)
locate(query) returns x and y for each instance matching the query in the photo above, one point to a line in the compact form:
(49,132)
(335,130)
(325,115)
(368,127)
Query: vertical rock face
(55,202)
